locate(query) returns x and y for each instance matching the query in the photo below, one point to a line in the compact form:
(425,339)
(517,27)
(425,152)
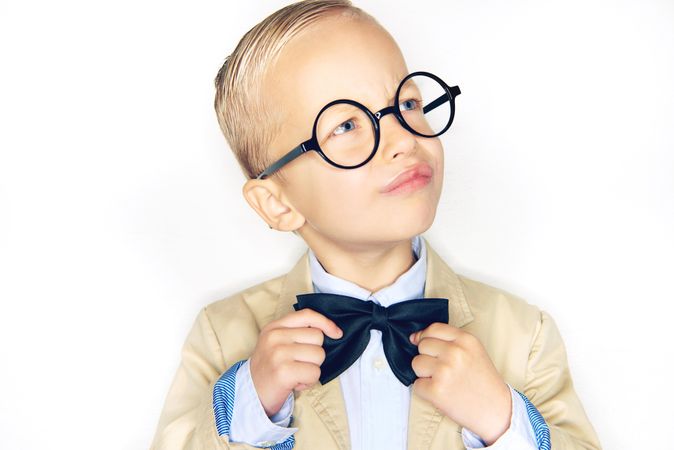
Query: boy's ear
(269,201)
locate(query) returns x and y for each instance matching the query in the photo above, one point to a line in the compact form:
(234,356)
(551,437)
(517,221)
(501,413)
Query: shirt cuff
(519,435)
(250,423)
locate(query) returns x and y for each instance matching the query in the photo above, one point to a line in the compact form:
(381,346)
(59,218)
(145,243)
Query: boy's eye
(409,104)
(345,126)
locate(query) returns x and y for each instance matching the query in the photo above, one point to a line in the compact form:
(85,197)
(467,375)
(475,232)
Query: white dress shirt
(377,403)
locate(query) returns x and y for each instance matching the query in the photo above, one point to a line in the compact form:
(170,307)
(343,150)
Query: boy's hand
(457,376)
(288,356)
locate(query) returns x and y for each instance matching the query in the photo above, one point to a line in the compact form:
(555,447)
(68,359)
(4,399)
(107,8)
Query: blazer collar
(327,400)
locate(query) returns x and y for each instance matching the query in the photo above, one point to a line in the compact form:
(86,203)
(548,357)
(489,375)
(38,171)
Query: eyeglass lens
(346,134)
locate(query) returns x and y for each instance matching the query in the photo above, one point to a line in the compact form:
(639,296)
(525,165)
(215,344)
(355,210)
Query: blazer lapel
(327,400)
(441,281)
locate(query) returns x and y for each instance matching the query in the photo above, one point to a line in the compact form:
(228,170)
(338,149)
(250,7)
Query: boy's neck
(370,267)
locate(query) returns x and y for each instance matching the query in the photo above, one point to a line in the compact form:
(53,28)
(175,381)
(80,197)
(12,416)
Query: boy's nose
(394,138)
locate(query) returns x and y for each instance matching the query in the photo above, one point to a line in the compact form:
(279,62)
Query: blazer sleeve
(549,386)
(187,420)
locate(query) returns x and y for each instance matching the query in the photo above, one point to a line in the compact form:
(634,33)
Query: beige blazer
(522,341)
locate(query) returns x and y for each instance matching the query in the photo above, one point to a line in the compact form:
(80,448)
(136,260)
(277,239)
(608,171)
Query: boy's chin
(411,217)
(399,230)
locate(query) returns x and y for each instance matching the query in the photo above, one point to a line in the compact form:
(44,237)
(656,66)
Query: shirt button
(378,363)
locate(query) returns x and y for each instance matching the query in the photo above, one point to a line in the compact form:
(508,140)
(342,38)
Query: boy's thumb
(413,337)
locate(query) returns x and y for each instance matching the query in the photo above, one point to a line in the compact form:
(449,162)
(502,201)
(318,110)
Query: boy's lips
(419,170)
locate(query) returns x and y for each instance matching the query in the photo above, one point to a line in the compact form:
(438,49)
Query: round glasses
(346,133)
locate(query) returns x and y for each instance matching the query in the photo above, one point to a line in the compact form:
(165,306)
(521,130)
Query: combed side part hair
(247,121)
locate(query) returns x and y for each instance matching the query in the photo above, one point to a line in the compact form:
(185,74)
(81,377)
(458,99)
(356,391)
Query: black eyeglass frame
(312,143)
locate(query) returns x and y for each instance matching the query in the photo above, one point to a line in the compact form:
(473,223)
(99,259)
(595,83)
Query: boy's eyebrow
(391,90)
(407,87)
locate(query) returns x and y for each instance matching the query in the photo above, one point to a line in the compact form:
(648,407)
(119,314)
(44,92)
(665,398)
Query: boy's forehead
(336,58)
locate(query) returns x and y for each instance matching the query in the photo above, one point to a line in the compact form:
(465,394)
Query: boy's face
(354,59)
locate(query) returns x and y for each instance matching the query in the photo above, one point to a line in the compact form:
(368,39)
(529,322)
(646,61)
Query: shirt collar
(407,286)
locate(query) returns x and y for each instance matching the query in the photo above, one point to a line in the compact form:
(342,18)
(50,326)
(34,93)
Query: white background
(121,212)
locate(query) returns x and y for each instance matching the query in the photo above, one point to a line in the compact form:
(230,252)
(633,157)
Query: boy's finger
(306,373)
(303,335)
(424,365)
(309,353)
(437,330)
(301,386)
(434,347)
(310,318)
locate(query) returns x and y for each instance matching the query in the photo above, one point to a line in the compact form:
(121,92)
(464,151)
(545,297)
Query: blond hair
(248,122)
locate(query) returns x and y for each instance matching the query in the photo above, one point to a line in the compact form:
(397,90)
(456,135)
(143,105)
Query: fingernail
(413,336)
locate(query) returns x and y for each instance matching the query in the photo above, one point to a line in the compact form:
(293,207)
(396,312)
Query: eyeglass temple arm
(292,154)
(454,90)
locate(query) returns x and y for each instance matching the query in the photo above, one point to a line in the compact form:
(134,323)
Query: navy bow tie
(357,317)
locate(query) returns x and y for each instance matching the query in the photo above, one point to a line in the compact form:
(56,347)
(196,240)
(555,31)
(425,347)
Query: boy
(371,341)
